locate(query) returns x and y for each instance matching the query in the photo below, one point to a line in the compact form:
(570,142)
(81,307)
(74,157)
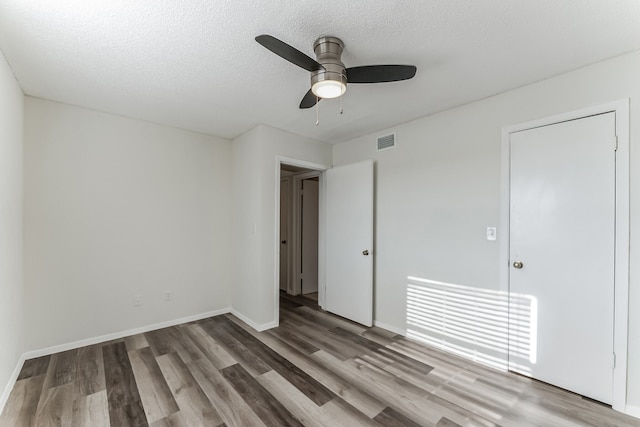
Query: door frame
(279,160)
(621,268)
(288,180)
(296,233)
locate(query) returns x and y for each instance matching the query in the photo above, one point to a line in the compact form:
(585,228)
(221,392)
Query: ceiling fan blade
(309,100)
(380,73)
(289,53)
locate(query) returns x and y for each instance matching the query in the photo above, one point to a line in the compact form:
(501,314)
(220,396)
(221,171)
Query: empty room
(365,213)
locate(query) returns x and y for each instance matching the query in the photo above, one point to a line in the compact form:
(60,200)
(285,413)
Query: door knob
(365,252)
(518,264)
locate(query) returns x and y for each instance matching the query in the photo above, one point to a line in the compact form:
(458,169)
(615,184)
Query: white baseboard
(253,324)
(390,328)
(12,380)
(634,411)
(121,334)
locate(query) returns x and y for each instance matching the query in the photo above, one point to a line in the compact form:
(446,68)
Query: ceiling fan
(329,77)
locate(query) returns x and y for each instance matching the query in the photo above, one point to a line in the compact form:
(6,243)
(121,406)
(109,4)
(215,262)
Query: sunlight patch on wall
(480,324)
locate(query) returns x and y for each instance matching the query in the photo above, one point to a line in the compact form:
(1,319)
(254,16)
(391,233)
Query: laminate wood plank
(359,399)
(21,406)
(129,415)
(445,422)
(231,406)
(297,377)
(487,406)
(440,361)
(407,364)
(559,410)
(62,369)
(340,413)
(421,381)
(355,338)
(424,381)
(392,418)
(111,342)
(91,410)
(286,303)
(235,348)
(34,367)
(89,371)
(136,342)
(157,399)
(381,336)
(210,347)
(173,420)
(404,397)
(330,321)
(56,406)
(320,339)
(294,340)
(271,412)
(306,411)
(175,372)
(195,407)
(170,340)
(427,355)
(297,301)
(417,402)
(125,407)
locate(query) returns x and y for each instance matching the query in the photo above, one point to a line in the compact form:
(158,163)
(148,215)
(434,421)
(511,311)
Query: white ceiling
(194,64)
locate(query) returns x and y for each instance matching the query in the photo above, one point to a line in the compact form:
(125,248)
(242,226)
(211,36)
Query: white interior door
(309,236)
(349,245)
(284,233)
(562,230)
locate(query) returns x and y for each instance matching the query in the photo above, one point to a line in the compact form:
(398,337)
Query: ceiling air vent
(387,141)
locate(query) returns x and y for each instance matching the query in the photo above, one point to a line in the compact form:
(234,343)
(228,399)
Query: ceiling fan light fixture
(329,76)
(328,89)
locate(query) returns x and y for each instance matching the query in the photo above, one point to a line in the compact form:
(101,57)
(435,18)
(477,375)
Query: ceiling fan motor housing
(328,51)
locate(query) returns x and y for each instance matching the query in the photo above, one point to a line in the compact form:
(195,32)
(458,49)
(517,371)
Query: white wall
(440,188)
(11,280)
(255,173)
(114,208)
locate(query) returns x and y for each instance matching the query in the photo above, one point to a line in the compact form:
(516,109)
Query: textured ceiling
(194,64)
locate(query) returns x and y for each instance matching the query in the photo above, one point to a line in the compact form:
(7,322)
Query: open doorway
(299,231)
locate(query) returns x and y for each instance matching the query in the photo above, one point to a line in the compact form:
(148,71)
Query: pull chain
(317,111)
(341,93)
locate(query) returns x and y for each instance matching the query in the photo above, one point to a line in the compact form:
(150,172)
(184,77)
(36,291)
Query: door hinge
(301,276)
(615,143)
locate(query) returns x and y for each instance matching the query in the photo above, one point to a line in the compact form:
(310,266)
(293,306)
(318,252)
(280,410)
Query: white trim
(276,249)
(121,334)
(289,285)
(296,233)
(12,381)
(253,324)
(390,328)
(621,297)
(634,411)
(322,239)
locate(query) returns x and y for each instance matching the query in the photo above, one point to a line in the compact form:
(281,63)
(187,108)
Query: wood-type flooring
(315,369)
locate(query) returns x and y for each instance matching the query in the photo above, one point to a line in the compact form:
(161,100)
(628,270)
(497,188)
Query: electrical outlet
(491,233)
(137,300)
(168,296)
